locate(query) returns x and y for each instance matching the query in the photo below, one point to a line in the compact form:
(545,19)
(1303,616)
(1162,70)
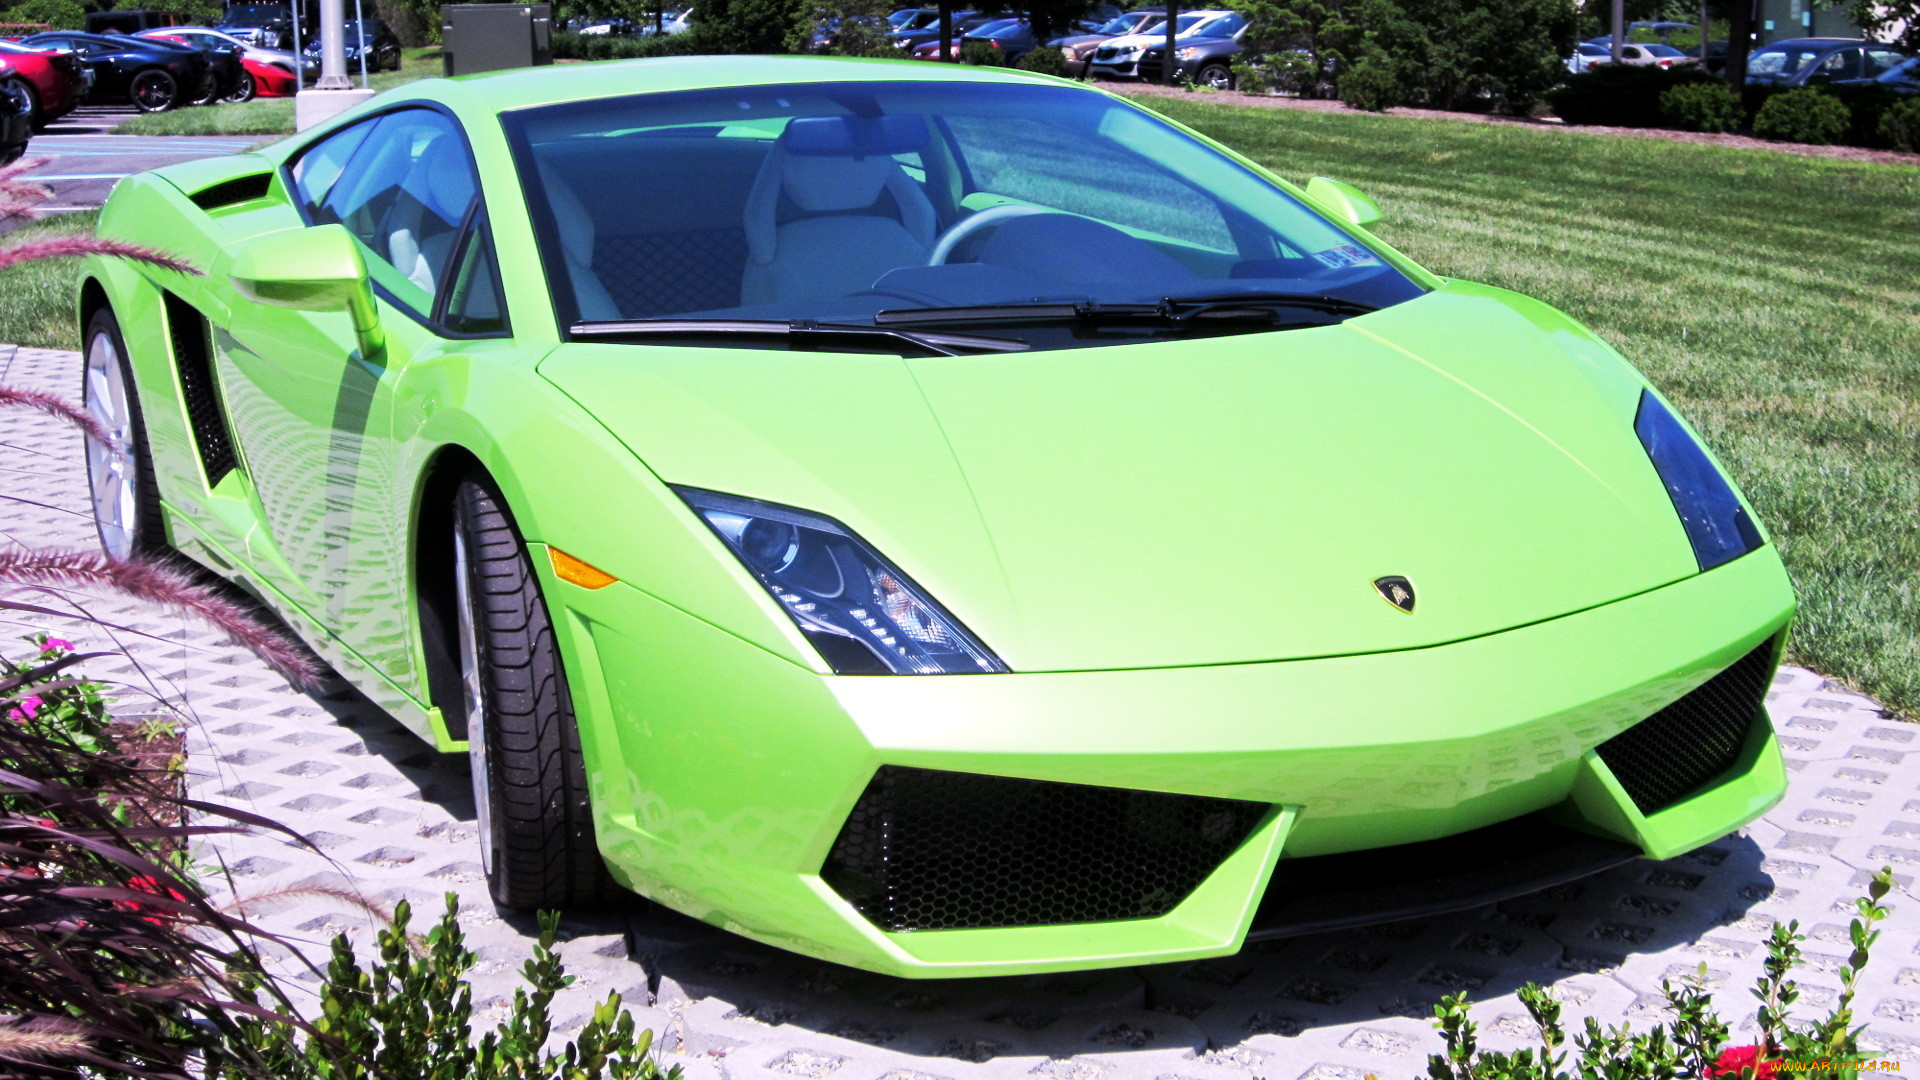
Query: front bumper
(722,775)
(1114,69)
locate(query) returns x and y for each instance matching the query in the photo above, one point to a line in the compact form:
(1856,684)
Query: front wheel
(529,776)
(126,500)
(242,91)
(1217,76)
(36,119)
(153,90)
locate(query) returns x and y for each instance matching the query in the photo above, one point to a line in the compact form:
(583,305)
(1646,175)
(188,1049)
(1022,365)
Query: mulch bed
(1738,142)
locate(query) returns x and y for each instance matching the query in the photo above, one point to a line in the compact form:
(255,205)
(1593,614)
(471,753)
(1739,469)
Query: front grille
(931,850)
(1678,750)
(1105,54)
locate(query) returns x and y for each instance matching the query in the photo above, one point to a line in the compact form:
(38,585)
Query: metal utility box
(493,37)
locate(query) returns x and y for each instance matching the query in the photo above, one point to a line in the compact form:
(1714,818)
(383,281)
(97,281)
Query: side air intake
(193,356)
(237,190)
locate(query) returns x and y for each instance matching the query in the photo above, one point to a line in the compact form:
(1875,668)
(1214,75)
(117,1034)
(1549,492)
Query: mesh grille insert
(187,329)
(1676,751)
(931,850)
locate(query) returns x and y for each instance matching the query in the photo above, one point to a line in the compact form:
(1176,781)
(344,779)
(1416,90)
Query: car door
(315,416)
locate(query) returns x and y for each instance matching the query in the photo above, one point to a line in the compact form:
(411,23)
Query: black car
(153,75)
(1012,39)
(383,49)
(16,120)
(1811,61)
(964,22)
(1902,78)
(1207,61)
(267,25)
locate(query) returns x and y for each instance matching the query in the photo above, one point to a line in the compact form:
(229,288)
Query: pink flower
(25,711)
(55,644)
(1744,1063)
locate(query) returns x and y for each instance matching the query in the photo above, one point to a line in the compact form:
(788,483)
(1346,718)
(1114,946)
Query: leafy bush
(1468,54)
(981,54)
(412,1016)
(1700,106)
(1251,77)
(1693,1043)
(1620,95)
(571,46)
(61,14)
(1803,116)
(748,26)
(1865,106)
(1900,125)
(1372,85)
(1046,60)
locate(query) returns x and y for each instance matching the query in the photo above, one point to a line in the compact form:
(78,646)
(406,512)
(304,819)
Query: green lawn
(36,298)
(1776,298)
(267,116)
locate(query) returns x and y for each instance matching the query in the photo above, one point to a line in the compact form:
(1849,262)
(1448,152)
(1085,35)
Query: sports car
(947,521)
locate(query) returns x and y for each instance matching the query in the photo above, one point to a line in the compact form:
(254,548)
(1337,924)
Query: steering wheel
(973,223)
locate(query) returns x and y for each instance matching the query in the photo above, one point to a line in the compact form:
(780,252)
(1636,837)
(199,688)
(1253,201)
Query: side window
(316,171)
(1880,61)
(474,303)
(405,196)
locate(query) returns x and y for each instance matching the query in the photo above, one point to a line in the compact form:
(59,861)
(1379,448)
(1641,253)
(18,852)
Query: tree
(60,14)
(1306,43)
(749,26)
(1881,18)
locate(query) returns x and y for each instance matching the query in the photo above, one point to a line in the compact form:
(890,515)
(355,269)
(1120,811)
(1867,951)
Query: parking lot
(83,161)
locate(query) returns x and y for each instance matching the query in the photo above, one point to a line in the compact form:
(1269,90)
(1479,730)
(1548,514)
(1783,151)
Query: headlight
(1717,525)
(1189,53)
(862,614)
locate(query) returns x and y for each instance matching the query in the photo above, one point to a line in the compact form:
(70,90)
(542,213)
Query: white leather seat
(834,253)
(425,222)
(576,230)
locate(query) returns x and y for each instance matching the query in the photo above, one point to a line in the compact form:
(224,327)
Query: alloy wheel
(477,758)
(110,465)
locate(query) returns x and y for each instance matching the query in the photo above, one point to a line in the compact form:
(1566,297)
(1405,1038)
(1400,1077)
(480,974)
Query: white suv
(1120,58)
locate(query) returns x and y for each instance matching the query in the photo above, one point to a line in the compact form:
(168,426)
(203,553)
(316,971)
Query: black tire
(148,530)
(1217,75)
(530,780)
(242,91)
(37,118)
(153,90)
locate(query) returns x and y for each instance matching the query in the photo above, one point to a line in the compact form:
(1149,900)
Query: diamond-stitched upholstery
(667,273)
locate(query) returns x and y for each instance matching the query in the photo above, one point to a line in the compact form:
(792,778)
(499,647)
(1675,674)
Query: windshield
(1905,72)
(835,202)
(1780,61)
(1121,25)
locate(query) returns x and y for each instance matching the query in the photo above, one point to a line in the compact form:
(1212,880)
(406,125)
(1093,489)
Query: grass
(1776,298)
(37,298)
(268,116)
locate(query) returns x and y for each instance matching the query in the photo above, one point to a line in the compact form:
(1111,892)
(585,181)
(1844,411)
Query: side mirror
(314,269)
(1343,201)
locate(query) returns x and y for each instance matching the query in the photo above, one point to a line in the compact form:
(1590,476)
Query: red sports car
(54,81)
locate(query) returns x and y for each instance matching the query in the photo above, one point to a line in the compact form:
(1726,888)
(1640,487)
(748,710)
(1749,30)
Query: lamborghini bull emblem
(1398,591)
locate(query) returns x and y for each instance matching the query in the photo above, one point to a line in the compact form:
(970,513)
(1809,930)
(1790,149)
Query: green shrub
(1046,60)
(1900,125)
(571,46)
(1702,107)
(981,54)
(1251,77)
(1803,116)
(1866,104)
(60,14)
(1372,85)
(1620,95)
(1695,1042)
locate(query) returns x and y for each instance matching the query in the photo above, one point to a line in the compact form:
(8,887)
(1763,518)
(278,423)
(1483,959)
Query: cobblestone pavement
(394,819)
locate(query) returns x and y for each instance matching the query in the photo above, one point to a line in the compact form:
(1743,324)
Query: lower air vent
(192,354)
(1678,750)
(237,190)
(929,850)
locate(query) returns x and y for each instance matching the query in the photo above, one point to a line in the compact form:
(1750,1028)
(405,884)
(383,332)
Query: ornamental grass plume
(158,583)
(57,407)
(29,1042)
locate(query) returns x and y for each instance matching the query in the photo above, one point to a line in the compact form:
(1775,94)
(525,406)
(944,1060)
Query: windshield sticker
(1346,255)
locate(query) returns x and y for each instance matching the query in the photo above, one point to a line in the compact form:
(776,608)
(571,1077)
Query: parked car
(828,33)
(1587,55)
(1638,54)
(994,563)
(129,21)
(1902,78)
(16,112)
(914,19)
(264,72)
(963,22)
(930,49)
(1801,61)
(1207,61)
(54,81)
(1079,48)
(226,65)
(1120,58)
(1012,39)
(267,25)
(382,49)
(153,75)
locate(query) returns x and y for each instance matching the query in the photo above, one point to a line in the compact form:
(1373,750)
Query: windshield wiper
(804,333)
(1258,306)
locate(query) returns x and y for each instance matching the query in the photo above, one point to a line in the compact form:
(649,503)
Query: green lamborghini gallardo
(947,521)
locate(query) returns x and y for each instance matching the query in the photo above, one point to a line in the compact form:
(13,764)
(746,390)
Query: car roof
(499,91)
(1814,42)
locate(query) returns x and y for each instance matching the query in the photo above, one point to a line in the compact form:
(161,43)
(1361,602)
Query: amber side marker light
(585,575)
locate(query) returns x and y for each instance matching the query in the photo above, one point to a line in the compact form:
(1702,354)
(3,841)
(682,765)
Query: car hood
(1194,502)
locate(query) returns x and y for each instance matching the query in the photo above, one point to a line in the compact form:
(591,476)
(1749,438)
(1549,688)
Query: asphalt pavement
(83,162)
